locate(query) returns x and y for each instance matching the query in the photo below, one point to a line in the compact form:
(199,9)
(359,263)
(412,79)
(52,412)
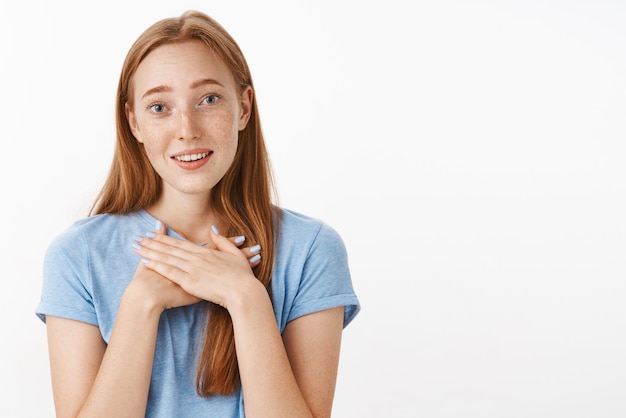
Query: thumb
(159,227)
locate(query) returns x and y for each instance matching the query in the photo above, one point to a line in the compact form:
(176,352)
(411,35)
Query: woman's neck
(190,217)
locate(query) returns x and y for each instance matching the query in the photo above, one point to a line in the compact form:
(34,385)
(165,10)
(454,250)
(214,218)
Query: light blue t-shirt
(88,266)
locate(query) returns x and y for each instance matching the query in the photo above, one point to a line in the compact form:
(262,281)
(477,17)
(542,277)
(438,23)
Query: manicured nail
(255,249)
(145,260)
(136,246)
(255,258)
(139,238)
(215,230)
(240,239)
(150,234)
(158,225)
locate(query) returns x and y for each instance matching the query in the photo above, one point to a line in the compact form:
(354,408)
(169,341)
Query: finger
(238,241)
(159,227)
(255,260)
(151,239)
(168,250)
(167,270)
(222,243)
(251,253)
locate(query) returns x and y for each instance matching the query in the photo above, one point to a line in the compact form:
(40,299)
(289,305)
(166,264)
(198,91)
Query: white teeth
(191,157)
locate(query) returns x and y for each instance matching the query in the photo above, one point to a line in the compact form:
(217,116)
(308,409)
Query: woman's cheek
(226,126)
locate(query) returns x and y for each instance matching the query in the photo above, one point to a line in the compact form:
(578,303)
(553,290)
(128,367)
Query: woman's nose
(188,125)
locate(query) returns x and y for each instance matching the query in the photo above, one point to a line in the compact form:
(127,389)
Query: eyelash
(152,105)
(215,97)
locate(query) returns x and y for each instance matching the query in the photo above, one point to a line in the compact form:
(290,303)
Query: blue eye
(157,108)
(210,99)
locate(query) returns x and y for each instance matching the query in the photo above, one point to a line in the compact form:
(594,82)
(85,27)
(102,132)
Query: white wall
(471,153)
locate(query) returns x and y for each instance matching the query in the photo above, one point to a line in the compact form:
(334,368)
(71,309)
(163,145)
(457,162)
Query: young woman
(150,309)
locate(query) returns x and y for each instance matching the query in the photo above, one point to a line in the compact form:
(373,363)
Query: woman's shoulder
(296,226)
(294,222)
(100,227)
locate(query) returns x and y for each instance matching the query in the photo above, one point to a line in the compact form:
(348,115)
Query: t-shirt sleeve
(66,291)
(326,281)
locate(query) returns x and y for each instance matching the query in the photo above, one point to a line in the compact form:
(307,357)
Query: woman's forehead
(183,64)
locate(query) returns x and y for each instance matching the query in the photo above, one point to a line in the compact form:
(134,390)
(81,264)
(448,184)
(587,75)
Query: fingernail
(139,238)
(240,239)
(145,260)
(215,230)
(136,246)
(255,249)
(255,258)
(158,225)
(150,234)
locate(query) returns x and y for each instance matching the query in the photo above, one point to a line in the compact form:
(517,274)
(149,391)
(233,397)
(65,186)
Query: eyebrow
(195,84)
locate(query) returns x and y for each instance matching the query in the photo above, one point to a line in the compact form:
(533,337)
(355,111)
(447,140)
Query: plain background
(471,154)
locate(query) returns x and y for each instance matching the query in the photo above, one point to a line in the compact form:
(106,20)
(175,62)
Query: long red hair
(243,198)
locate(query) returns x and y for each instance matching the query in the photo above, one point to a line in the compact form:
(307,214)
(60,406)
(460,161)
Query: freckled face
(187,112)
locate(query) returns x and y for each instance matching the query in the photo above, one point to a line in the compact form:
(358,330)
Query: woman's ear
(245,107)
(132,122)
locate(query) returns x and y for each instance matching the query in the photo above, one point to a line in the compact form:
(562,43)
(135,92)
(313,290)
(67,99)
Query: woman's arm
(76,350)
(294,376)
(121,386)
(91,379)
(313,344)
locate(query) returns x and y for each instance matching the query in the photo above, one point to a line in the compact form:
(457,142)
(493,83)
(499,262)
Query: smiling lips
(192,157)
(193,160)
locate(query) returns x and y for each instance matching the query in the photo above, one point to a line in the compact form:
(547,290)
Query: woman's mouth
(192,157)
(192,160)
